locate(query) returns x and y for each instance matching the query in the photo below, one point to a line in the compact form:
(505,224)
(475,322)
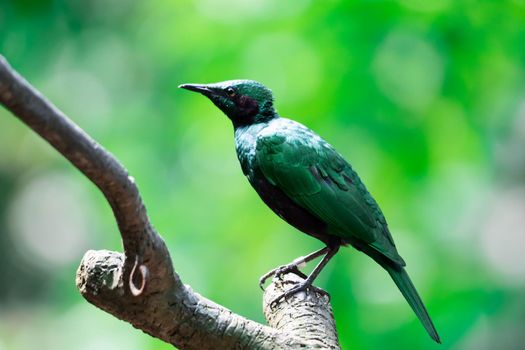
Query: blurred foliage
(425,98)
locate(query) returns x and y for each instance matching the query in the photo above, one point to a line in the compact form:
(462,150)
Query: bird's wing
(313,174)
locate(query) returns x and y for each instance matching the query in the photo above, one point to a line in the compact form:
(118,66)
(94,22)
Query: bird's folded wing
(316,177)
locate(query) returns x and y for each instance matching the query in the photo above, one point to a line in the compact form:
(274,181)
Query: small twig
(144,274)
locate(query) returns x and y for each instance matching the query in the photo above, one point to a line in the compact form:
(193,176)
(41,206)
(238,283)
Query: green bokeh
(425,98)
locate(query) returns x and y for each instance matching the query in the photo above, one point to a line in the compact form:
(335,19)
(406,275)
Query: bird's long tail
(405,285)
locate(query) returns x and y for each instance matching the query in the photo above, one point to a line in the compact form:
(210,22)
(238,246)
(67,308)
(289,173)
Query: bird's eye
(230,91)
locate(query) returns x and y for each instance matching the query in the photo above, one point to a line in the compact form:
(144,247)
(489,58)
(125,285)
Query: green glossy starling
(305,181)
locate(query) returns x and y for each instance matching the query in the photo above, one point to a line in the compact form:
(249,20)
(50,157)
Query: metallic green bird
(305,181)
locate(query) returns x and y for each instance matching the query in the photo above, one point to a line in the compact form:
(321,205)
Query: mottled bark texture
(141,285)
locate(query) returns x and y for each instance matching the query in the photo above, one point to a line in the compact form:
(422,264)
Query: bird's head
(245,102)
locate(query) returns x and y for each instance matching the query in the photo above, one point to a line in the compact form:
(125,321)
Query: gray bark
(141,286)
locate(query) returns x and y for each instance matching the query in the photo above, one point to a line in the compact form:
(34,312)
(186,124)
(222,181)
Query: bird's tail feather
(405,285)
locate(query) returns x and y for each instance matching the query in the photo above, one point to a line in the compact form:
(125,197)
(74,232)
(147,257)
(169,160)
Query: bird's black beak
(202,88)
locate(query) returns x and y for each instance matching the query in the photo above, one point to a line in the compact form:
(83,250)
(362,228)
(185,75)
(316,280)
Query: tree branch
(141,285)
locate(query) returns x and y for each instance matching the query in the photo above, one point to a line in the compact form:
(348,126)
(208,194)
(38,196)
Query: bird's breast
(286,208)
(245,145)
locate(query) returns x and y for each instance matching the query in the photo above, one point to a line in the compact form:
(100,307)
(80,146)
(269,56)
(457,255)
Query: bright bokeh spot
(49,221)
(408,69)
(503,238)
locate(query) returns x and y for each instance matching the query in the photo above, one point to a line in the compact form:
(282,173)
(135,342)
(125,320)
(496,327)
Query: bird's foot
(300,287)
(280,271)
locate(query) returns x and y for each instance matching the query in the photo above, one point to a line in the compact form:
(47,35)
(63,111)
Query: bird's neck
(258,119)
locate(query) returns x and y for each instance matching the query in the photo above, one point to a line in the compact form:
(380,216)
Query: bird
(306,182)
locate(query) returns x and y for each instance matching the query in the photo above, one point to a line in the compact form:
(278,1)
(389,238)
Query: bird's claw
(279,272)
(300,287)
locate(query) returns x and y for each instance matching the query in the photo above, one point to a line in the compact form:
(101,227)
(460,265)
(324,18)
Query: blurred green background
(425,98)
